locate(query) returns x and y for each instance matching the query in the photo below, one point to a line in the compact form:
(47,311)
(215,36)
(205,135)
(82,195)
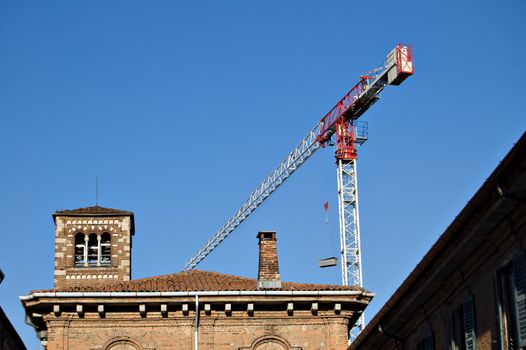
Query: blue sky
(183,107)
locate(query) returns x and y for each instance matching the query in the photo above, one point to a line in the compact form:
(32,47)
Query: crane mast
(342,121)
(348,215)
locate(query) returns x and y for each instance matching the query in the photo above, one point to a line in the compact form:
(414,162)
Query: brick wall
(302,330)
(474,277)
(67,274)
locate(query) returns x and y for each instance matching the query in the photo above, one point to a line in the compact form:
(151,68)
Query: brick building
(469,290)
(96,305)
(9,338)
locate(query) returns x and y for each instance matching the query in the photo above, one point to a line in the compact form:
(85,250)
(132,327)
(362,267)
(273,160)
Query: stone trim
(270,338)
(121,340)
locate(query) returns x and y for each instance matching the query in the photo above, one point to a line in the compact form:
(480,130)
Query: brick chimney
(268,270)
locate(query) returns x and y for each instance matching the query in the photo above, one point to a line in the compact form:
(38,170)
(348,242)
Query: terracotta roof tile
(193,280)
(94,210)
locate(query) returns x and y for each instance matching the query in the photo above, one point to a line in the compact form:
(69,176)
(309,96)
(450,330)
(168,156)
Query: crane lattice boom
(359,99)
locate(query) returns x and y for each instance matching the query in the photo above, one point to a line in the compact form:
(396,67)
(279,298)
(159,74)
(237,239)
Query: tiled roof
(95,210)
(193,280)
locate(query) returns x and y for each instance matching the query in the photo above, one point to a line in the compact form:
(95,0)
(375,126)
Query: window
(510,294)
(92,249)
(105,249)
(462,327)
(455,329)
(270,345)
(80,249)
(123,346)
(426,343)
(470,338)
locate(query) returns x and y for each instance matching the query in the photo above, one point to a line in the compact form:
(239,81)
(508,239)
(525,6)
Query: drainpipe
(196,323)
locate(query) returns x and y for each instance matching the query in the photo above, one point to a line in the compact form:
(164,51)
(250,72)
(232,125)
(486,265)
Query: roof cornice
(195,293)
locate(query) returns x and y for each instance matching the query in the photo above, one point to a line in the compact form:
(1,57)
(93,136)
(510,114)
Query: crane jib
(396,68)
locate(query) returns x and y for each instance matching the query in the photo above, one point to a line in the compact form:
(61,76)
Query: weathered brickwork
(476,278)
(67,227)
(68,332)
(268,270)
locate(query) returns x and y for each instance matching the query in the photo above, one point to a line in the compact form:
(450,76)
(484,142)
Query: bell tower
(92,245)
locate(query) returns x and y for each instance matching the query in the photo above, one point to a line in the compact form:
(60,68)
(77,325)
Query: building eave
(42,306)
(195,293)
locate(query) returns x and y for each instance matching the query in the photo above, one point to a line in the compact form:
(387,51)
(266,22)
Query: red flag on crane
(326,207)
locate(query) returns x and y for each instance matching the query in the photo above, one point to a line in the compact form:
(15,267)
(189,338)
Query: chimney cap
(267,235)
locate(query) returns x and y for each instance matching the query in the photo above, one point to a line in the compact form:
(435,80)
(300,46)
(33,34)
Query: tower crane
(341,123)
